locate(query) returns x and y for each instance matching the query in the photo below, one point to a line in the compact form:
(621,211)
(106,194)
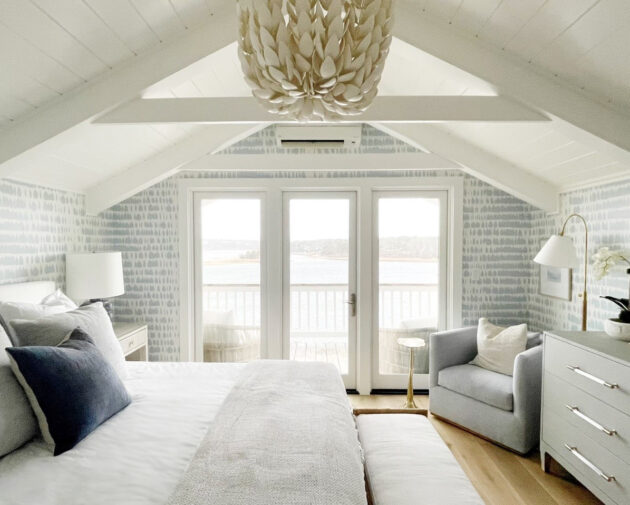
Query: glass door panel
(409,288)
(320,297)
(230,250)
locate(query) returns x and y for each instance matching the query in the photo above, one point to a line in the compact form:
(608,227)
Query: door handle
(353,304)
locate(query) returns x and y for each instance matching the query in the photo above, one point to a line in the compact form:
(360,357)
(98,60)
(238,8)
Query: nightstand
(133,338)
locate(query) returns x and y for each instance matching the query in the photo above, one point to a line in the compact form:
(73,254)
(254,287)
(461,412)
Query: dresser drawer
(601,422)
(597,461)
(601,377)
(134,341)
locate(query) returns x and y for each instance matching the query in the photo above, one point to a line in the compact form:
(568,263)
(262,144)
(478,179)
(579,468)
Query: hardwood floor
(500,476)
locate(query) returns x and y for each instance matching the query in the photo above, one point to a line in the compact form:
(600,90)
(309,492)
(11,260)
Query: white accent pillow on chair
(497,347)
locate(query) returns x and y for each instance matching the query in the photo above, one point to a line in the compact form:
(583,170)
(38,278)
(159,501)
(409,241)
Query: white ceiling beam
(163,165)
(315,162)
(595,124)
(46,127)
(388,109)
(479,163)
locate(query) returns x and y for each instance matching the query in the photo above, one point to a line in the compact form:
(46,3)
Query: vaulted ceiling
(79,76)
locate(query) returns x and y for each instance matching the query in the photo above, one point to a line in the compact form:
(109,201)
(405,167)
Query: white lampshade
(94,275)
(559,252)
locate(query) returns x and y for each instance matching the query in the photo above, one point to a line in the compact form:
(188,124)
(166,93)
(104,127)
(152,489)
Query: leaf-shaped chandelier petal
(314,59)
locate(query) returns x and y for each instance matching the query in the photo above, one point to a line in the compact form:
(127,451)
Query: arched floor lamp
(559,252)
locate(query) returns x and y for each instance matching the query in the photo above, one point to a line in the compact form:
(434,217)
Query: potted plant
(604,261)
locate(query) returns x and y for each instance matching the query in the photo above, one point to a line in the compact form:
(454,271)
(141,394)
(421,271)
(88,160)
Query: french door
(317,252)
(319,272)
(230,306)
(272,271)
(409,279)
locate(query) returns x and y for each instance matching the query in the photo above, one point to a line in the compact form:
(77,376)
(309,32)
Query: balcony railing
(320,309)
(319,323)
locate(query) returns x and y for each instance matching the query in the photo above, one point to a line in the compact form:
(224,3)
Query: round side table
(412,344)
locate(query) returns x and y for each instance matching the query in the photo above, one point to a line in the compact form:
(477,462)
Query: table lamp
(95,277)
(559,252)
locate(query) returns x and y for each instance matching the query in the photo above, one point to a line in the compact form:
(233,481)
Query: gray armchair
(498,407)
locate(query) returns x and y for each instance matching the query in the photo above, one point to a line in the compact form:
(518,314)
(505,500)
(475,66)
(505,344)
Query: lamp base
(107,305)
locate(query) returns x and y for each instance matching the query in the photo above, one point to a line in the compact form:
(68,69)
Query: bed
(151,452)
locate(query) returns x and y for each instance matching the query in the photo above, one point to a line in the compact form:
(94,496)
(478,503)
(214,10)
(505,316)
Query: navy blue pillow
(71,388)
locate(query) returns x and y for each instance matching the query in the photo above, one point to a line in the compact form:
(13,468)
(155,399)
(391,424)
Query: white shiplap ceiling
(51,48)
(582,42)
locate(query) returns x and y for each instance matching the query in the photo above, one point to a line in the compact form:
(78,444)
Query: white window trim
(364,187)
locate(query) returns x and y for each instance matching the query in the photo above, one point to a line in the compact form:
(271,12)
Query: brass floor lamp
(559,252)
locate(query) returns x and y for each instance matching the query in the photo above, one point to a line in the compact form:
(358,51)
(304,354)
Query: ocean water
(310,270)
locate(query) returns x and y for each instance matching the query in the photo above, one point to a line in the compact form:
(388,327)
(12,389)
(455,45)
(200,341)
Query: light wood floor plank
(500,476)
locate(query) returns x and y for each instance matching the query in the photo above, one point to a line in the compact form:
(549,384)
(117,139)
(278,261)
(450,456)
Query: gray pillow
(52,330)
(17,421)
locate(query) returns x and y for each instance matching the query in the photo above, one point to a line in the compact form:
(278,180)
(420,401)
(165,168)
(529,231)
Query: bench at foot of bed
(407,463)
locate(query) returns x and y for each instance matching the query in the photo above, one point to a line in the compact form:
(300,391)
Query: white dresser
(586,411)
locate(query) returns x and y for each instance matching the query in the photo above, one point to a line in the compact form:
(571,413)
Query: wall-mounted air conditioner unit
(319,137)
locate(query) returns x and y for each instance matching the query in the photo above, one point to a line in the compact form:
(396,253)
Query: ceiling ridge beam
(386,109)
(595,124)
(45,128)
(163,165)
(478,163)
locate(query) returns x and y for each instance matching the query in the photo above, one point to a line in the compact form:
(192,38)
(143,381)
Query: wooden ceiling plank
(161,17)
(124,20)
(30,22)
(83,24)
(478,163)
(28,59)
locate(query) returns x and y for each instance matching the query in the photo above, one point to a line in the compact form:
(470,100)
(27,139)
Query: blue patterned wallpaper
(501,235)
(607,212)
(39,225)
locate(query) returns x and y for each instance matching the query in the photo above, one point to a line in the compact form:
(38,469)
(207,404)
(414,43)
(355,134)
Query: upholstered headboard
(26,292)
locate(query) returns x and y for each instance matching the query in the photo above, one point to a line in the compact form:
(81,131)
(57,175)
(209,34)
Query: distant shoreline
(327,258)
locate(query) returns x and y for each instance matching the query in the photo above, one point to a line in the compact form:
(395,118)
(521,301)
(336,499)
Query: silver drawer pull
(590,421)
(588,376)
(576,453)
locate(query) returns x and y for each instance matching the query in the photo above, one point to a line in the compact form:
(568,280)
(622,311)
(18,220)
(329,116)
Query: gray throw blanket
(284,436)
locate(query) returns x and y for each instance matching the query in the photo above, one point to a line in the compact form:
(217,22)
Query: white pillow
(28,311)
(59,299)
(17,421)
(497,347)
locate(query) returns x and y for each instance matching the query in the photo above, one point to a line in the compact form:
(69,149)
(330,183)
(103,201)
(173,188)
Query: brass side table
(412,344)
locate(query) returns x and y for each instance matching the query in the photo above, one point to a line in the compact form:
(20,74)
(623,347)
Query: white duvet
(172,409)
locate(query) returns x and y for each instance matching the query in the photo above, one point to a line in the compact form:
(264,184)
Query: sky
(316,219)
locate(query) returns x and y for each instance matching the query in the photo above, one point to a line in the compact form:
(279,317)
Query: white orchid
(605,259)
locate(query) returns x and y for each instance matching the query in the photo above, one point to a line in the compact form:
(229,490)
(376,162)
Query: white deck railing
(322,309)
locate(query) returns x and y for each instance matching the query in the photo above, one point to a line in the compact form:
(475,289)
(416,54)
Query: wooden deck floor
(500,477)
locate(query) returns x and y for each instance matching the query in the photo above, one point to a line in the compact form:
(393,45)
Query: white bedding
(172,409)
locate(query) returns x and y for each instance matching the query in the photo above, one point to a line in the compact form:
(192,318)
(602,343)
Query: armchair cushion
(489,387)
(497,347)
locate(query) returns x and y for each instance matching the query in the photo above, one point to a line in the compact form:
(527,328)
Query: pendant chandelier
(312,60)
